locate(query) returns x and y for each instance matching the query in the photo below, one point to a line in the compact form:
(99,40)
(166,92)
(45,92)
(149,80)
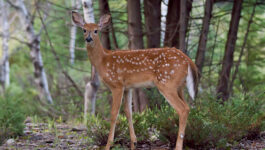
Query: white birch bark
(91,86)
(88,11)
(4,63)
(35,53)
(164,8)
(75,5)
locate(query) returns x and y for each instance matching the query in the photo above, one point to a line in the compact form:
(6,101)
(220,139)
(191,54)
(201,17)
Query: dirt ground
(44,136)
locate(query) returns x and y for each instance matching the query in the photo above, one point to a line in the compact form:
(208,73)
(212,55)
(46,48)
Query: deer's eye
(84,30)
(96,31)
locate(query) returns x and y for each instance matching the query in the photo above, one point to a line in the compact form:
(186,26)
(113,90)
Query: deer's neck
(96,53)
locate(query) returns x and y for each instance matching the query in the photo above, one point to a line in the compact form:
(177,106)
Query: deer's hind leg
(170,92)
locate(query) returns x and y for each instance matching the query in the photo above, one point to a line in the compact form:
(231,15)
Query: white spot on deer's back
(119,70)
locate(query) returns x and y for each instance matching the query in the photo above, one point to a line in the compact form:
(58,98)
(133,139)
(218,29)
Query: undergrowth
(12,115)
(210,123)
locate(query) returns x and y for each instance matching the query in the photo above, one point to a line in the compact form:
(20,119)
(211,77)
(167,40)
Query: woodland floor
(42,136)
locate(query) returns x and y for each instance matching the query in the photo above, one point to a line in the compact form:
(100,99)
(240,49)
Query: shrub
(98,129)
(212,124)
(11,115)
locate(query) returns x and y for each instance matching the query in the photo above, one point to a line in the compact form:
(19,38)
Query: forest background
(44,67)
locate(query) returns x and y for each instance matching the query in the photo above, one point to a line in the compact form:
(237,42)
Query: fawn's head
(90,29)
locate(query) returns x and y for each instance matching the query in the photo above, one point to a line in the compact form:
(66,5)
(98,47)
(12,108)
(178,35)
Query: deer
(168,69)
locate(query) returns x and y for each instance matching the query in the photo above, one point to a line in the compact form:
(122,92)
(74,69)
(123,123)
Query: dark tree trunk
(152,22)
(104,9)
(204,32)
(172,24)
(213,48)
(242,48)
(222,87)
(182,25)
(135,30)
(136,42)
(176,25)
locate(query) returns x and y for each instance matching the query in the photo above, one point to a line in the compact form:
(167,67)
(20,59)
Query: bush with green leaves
(98,129)
(212,124)
(11,115)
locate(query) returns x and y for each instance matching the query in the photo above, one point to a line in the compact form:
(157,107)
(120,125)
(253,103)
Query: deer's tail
(192,79)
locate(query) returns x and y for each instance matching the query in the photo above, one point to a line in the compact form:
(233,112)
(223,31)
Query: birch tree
(75,5)
(35,52)
(4,63)
(93,85)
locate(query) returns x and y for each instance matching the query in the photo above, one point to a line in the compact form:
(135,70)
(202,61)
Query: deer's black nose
(89,39)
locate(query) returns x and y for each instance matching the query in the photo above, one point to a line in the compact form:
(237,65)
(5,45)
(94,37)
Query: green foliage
(211,124)
(11,115)
(98,129)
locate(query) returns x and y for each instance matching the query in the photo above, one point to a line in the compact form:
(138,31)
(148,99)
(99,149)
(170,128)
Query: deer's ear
(78,19)
(104,21)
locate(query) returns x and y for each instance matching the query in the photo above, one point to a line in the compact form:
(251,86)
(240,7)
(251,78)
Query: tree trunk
(152,13)
(176,23)
(75,5)
(135,30)
(104,9)
(4,62)
(182,25)
(172,24)
(213,48)
(93,85)
(222,87)
(243,47)
(203,37)
(35,53)
(136,42)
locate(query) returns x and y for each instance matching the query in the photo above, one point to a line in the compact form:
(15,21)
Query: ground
(43,136)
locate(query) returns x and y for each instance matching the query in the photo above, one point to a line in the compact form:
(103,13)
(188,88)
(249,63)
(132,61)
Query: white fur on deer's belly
(146,84)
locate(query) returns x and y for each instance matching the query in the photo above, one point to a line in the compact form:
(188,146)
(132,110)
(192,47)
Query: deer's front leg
(117,94)
(128,113)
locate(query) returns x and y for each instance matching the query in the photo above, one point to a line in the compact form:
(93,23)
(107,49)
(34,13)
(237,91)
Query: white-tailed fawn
(168,69)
